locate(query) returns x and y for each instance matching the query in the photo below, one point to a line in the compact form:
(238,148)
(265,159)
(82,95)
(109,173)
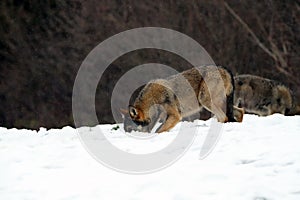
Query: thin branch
(278,53)
(274,52)
(260,44)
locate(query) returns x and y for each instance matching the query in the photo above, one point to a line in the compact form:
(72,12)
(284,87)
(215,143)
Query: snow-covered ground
(258,159)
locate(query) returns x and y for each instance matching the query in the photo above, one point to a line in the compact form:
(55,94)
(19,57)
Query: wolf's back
(261,96)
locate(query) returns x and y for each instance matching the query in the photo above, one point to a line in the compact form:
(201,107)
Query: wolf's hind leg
(217,107)
(218,110)
(238,113)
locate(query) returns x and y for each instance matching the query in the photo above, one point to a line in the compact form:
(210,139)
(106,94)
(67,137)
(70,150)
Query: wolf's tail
(230,96)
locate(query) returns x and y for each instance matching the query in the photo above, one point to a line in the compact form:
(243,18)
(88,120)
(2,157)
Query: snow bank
(258,159)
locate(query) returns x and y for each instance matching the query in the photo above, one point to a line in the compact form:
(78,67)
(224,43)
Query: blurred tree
(42,44)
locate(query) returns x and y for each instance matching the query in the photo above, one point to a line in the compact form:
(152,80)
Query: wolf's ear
(123,112)
(133,111)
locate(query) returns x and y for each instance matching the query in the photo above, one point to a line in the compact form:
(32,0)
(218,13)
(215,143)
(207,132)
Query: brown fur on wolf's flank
(185,94)
(263,96)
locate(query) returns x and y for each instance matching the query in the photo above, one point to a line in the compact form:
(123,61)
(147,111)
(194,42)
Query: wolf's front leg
(170,122)
(263,110)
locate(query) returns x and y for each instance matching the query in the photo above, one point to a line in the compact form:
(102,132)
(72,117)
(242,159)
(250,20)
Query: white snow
(258,159)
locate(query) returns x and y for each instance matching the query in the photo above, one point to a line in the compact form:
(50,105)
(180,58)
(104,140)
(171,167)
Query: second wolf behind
(262,96)
(185,94)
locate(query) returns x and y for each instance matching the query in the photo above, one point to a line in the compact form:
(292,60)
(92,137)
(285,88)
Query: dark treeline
(43,43)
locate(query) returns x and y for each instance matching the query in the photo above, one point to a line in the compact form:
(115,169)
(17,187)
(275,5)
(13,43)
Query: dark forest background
(43,43)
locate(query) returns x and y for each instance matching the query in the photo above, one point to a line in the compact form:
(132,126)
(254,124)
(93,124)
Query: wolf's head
(138,116)
(135,120)
(129,124)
